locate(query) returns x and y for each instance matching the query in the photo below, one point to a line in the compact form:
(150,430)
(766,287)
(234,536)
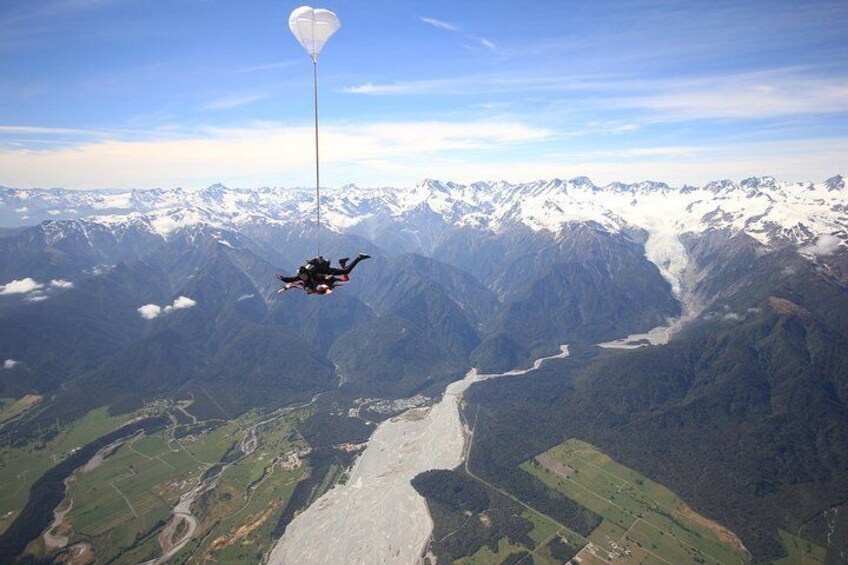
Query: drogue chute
(313,27)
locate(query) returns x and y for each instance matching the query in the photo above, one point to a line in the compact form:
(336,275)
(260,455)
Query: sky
(152,93)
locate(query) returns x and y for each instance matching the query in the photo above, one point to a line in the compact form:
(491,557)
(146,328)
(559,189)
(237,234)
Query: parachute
(313,28)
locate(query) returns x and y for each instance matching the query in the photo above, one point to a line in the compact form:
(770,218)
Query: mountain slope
(744,413)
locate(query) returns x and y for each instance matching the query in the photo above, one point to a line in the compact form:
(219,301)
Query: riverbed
(377,517)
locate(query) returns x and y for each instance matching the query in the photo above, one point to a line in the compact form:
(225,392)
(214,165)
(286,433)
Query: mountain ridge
(768,209)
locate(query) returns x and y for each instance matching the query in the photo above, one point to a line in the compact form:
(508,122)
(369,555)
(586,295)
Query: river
(377,517)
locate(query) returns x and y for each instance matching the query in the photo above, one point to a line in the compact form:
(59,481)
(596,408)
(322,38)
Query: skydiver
(318,276)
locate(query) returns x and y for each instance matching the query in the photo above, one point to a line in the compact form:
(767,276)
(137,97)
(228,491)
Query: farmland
(643,522)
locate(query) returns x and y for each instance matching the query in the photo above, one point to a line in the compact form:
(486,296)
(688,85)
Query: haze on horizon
(131,93)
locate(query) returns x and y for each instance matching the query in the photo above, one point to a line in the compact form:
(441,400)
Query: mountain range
(121,297)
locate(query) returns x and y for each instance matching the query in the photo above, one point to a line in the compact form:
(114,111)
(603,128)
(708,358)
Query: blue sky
(142,93)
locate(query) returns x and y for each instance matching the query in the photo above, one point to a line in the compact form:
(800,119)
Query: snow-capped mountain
(121,298)
(811,216)
(771,211)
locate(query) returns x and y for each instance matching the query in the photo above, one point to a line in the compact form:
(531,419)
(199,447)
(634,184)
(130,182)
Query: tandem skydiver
(318,276)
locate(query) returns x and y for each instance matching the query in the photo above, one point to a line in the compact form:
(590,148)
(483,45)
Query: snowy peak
(835,184)
(773,211)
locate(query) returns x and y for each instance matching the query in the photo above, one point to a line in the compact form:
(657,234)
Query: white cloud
(22,286)
(731,316)
(447,26)
(763,94)
(151,311)
(753,95)
(235,101)
(267,67)
(27,130)
(269,153)
(181,303)
(61,284)
(411,87)
(440,24)
(35,297)
(825,245)
(245,297)
(10,364)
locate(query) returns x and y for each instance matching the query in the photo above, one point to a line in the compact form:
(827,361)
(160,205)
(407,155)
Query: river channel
(377,517)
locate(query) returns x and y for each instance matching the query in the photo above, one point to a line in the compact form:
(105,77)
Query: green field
(643,522)
(12,407)
(244,509)
(20,467)
(120,507)
(544,534)
(801,552)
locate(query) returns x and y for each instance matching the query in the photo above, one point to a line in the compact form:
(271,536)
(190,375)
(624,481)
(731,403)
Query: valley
(161,403)
(381,516)
(193,489)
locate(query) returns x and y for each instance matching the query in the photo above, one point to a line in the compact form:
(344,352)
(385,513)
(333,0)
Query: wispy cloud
(448,26)
(440,24)
(487,44)
(230,102)
(256,153)
(34,10)
(267,67)
(761,94)
(750,95)
(410,87)
(19,27)
(46,130)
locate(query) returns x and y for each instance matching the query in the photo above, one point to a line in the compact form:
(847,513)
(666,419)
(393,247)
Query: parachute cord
(317,168)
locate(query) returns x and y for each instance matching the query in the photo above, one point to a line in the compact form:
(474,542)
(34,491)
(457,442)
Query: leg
(347,269)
